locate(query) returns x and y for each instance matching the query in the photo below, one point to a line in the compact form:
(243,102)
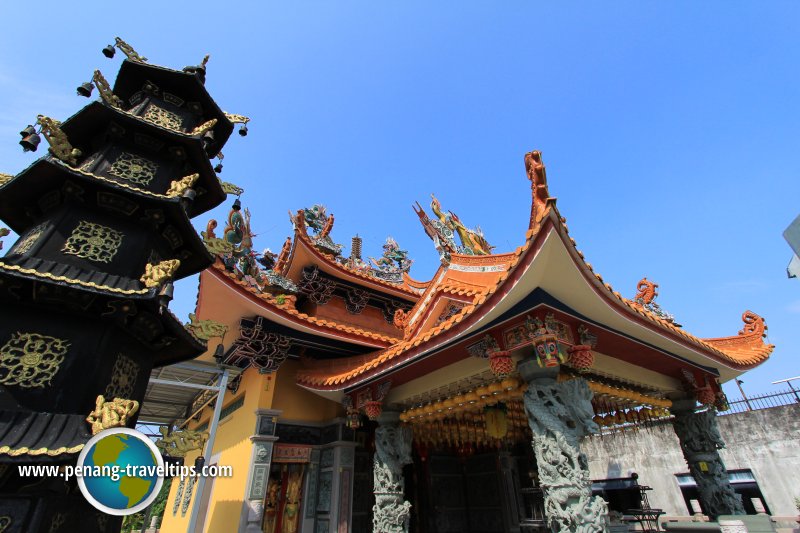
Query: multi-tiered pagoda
(104,220)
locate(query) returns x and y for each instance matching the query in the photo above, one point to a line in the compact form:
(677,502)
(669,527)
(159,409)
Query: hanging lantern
(581,357)
(353,419)
(373,409)
(496,421)
(501,363)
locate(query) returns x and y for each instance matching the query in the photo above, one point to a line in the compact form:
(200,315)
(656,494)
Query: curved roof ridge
(301,235)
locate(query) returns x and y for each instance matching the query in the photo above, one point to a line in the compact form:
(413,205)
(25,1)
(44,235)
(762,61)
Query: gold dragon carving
(105,91)
(129,52)
(206,329)
(179,443)
(111,414)
(204,127)
(59,144)
(155,275)
(178,187)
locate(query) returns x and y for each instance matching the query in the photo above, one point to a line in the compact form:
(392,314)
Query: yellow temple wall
(296,403)
(233,445)
(261,391)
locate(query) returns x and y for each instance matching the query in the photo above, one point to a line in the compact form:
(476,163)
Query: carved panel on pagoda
(123,378)
(31,360)
(133,168)
(25,244)
(259,347)
(165,109)
(94,242)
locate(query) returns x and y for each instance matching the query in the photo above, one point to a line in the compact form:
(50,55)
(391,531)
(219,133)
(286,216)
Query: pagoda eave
(132,73)
(97,115)
(48,174)
(48,438)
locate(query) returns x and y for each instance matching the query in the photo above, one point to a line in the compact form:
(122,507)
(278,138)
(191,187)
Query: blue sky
(667,128)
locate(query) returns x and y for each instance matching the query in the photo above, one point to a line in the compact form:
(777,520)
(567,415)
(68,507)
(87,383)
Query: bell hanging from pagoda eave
(218,168)
(109,51)
(30,143)
(243,131)
(208,141)
(85,89)
(29,130)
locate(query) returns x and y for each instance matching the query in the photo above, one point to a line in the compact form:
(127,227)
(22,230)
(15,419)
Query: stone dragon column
(560,414)
(700,441)
(392,451)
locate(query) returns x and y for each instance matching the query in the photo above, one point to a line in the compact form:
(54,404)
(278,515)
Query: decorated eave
(136,307)
(549,260)
(141,207)
(167,82)
(281,310)
(137,130)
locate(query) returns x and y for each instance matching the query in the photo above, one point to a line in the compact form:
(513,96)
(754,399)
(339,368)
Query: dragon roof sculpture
(444,228)
(392,264)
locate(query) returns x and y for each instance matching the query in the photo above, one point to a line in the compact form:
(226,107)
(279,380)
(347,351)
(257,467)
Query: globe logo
(120,471)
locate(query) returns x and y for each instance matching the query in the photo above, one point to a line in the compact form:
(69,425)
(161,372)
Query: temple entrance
(283,500)
(480,491)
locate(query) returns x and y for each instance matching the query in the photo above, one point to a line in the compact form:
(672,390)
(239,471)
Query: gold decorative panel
(123,378)
(94,242)
(133,168)
(27,242)
(30,360)
(164,118)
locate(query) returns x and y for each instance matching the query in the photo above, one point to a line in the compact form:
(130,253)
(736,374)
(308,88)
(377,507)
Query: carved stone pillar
(700,442)
(560,414)
(392,450)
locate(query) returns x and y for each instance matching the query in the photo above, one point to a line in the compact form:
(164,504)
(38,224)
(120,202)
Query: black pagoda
(104,226)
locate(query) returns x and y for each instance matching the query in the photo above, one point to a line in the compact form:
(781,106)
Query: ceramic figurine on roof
(646,293)
(235,250)
(394,262)
(443,229)
(354,261)
(321,224)
(104,220)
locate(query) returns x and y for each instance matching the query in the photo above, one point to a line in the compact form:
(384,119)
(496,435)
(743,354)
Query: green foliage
(133,523)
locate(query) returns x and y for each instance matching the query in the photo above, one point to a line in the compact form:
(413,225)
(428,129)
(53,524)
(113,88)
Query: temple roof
(304,250)
(282,309)
(548,259)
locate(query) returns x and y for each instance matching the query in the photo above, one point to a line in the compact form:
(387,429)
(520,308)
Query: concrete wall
(766,441)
